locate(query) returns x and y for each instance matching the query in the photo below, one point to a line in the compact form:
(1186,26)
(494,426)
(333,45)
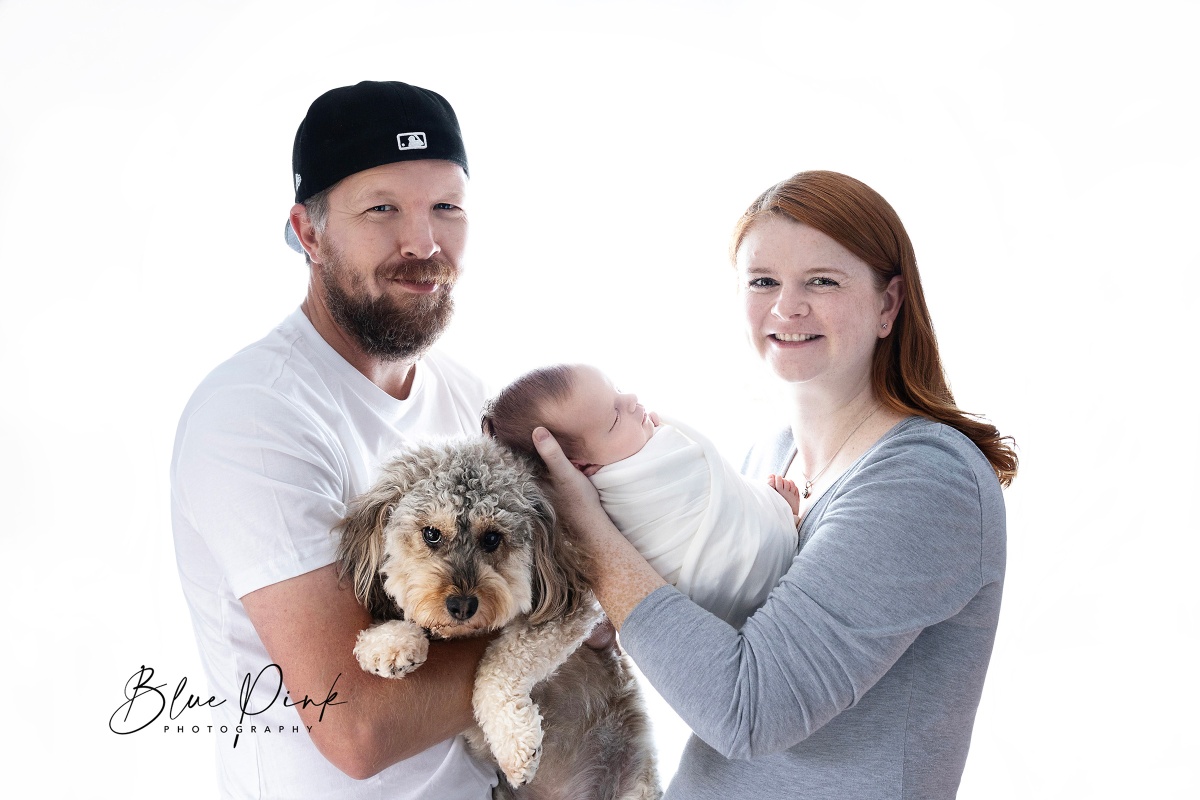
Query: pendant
(807,486)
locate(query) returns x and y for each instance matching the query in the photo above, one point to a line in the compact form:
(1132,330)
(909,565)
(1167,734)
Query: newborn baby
(721,539)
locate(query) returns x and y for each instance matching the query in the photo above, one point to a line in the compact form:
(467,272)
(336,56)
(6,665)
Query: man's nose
(416,237)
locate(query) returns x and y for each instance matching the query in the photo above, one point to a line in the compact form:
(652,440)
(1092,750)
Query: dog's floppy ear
(559,567)
(360,551)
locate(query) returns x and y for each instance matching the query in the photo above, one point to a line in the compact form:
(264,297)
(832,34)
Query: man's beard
(382,326)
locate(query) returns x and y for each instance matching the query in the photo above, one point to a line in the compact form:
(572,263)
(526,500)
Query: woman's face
(813,310)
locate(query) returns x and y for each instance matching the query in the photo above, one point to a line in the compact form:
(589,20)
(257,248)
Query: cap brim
(289,236)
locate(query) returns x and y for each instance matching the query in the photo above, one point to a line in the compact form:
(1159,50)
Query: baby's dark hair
(511,416)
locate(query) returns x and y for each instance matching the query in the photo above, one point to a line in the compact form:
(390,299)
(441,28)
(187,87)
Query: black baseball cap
(354,128)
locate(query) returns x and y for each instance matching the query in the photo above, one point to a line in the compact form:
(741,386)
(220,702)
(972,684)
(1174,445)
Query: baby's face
(610,425)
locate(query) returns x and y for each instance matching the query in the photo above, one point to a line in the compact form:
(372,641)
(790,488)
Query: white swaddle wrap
(723,540)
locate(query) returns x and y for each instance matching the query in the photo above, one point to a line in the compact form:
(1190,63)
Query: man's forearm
(308,625)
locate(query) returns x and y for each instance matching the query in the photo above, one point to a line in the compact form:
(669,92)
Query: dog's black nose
(461,607)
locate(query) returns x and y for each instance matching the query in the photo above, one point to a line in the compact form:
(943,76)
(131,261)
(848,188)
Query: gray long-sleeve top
(861,674)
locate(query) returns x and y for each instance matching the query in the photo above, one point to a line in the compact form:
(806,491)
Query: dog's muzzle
(462,607)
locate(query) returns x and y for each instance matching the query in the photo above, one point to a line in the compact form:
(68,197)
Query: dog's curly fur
(458,538)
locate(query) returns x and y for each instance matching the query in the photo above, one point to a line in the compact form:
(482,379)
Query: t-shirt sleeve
(897,549)
(262,484)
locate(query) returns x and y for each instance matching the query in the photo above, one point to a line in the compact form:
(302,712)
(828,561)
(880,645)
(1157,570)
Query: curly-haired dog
(457,539)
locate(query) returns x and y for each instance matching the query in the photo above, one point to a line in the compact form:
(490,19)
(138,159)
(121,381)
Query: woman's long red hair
(907,372)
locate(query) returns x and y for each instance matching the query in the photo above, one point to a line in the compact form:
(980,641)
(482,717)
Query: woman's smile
(793,338)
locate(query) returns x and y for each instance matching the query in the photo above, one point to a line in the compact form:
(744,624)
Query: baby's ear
(585,467)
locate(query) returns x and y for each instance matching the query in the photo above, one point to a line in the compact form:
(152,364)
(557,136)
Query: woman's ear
(893,298)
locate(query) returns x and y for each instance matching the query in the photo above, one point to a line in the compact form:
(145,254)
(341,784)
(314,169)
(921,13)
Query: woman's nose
(790,303)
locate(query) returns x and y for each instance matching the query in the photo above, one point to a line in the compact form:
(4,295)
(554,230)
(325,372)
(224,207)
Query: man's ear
(302,226)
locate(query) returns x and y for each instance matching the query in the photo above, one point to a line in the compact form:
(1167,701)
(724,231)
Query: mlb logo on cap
(414,140)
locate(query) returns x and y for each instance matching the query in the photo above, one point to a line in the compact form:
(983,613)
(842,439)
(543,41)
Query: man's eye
(431,535)
(445,206)
(381,208)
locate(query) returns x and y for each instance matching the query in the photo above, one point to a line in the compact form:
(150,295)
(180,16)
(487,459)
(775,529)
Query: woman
(860,675)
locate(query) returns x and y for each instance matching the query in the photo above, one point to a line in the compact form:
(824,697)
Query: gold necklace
(808,482)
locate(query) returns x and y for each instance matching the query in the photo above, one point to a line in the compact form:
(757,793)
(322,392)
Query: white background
(1042,155)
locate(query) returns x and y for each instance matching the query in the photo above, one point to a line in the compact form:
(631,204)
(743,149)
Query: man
(277,440)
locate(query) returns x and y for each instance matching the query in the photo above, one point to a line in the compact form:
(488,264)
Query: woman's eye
(824,282)
(431,535)
(491,540)
(763,283)
(445,206)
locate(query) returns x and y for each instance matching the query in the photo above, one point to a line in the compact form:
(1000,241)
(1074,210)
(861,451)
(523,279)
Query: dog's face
(456,536)
(458,549)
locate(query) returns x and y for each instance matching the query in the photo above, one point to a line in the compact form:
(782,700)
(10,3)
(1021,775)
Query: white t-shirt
(270,450)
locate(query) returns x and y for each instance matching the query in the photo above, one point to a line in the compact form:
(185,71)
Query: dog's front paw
(521,772)
(391,649)
(513,728)
(518,755)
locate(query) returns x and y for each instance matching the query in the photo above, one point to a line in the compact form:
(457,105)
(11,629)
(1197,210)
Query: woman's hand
(575,499)
(621,578)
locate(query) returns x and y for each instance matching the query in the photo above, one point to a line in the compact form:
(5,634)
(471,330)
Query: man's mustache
(419,270)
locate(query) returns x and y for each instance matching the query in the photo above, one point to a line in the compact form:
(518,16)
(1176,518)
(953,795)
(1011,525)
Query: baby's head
(594,423)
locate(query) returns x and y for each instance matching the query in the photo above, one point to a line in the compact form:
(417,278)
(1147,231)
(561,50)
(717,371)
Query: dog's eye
(431,535)
(491,540)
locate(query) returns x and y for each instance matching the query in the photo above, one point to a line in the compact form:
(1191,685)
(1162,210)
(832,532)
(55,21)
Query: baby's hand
(787,489)
(654,418)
